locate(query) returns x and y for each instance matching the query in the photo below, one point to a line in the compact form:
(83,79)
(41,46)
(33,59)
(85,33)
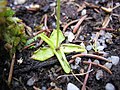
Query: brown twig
(91,5)
(106,21)
(32,44)
(74,21)
(78,33)
(11,70)
(106,29)
(45,23)
(91,56)
(86,78)
(36,33)
(78,24)
(103,67)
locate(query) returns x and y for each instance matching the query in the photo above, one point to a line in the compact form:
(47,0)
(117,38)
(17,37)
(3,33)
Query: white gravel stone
(101,41)
(74,66)
(96,61)
(77,60)
(109,86)
(71,86)
(102,33)
(105,46)
(31,81)
(16,2)
(99,74)
(108,35)
(108,65)
(100,48)
(89,47)
(53,4)
(93,36)
(83,12)
(81,37)
(34,6)
(115,60)
(71,36)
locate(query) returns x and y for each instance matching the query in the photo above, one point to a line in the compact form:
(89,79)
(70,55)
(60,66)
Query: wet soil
(45,73)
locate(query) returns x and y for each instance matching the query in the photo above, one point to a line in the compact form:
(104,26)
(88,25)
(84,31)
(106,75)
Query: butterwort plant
(56,47)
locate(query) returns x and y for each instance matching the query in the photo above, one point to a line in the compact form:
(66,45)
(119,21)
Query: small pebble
(16,2)
(102,38)
(96,2)
(52,84)
(97,43)
(77,60)
(103,1)
(31,81)
(96,61)
(44,88)
(105,46)
(109,41)
(102,33)
(99,74)
(109,86)
(83,12)
(108,35)
(74,66)
(117,3)
(71,36)
(81,37)
(53,4)
(89,47)
(19,61)
(34,6)
(100,48)
(115,60)
(102,41)
(54,25)
(71,86)
(108,65)
(93,36)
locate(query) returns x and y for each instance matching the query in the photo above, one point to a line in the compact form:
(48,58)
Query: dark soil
(46,72)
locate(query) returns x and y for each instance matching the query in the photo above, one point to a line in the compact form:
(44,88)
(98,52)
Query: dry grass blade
(106,29)
(103,67)
(81,74)
(86,78)
(32,44)
(78,24)
(91,5)
(106,21)
(11,70)
(91,56)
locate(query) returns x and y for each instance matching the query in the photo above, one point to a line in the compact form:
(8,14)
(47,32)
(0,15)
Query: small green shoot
(58,23)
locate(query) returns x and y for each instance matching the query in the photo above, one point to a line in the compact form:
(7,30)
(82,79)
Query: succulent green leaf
(68,48)
(47,40)
(53,37)
(43,54)
(63,61)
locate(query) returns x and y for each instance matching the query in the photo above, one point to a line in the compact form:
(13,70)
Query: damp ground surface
(31,74)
